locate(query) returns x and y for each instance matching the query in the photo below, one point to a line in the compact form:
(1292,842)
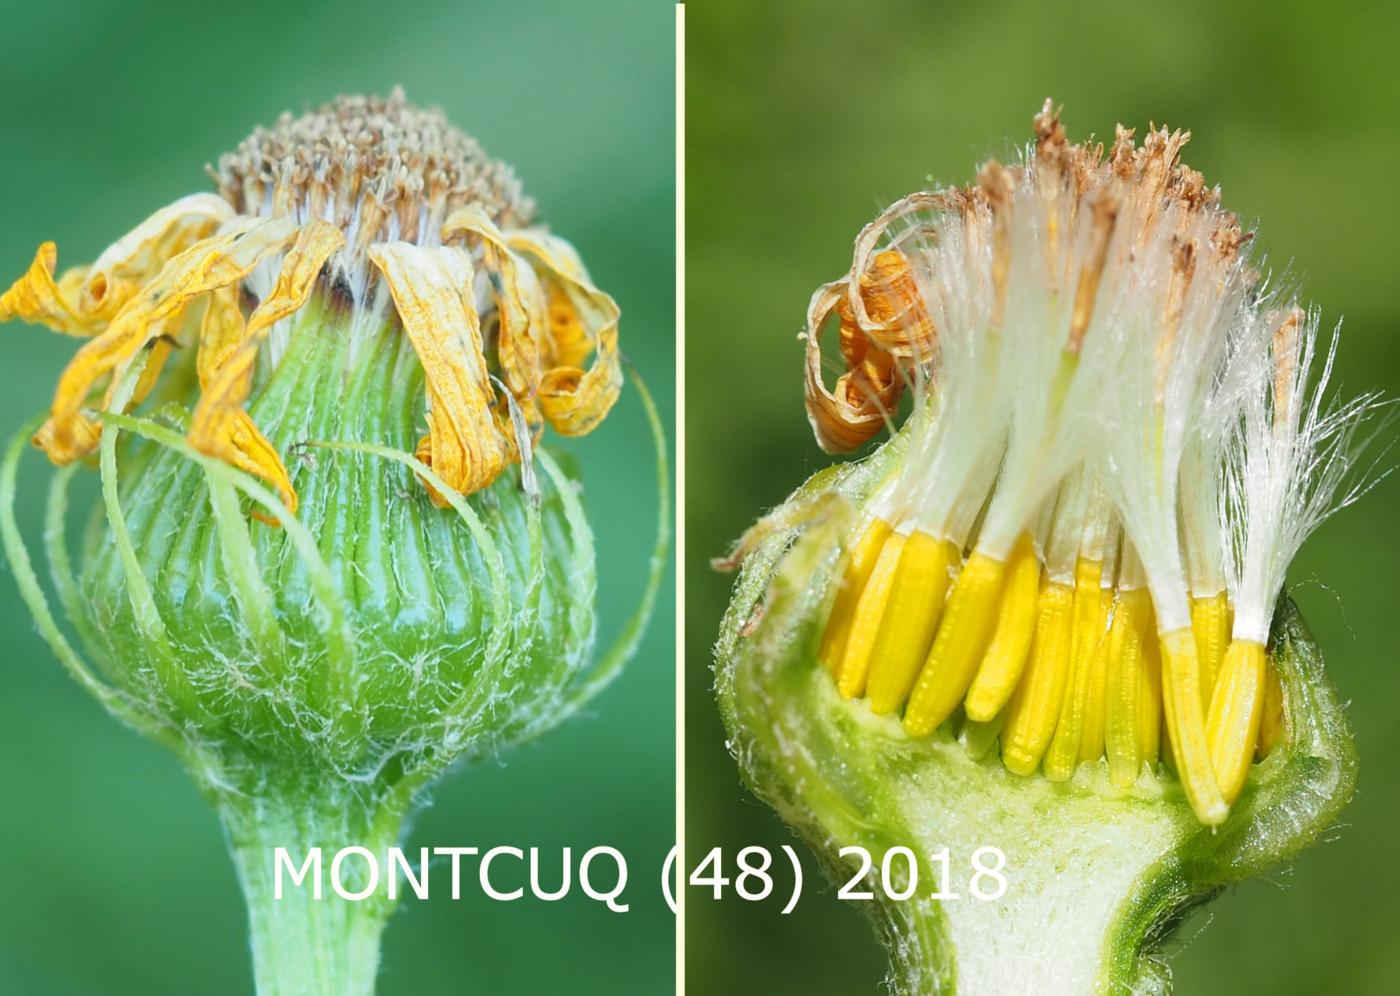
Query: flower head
(367,299)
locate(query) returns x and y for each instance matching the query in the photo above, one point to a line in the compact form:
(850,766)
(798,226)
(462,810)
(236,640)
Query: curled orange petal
(432,291)
(887,303)
(865,394)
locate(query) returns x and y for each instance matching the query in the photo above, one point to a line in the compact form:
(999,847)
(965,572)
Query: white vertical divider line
(680,500)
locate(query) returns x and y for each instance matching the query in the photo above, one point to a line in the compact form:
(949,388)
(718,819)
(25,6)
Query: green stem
(305,945)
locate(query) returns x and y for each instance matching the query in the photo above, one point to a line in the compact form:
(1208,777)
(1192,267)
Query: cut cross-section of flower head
(1044,605)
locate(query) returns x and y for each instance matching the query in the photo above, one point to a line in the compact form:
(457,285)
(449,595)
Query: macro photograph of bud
(1040,571)
(339,402)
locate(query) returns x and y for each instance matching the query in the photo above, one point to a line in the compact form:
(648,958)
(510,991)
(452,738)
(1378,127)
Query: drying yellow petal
(520,304)
(85,299)
(857,571)
(1181,694)
(571,399)
(1006,657)
(216,262)
(220,332)
(963,632)
(432,290)
(220,427)
(40,300)
(1236,710)
(128,264)
(910,619)
(870,612)
(1034,709)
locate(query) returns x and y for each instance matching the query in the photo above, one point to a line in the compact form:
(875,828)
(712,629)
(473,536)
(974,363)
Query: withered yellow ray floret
(519,303)
(1005,660)
(39,299)
(963,633)
(1236,711)
(854,668)
(86,298)
(574,400)
(1087,627)
(216,262)
(1181,693)
(219,332)
(432,291)
(911,617)
(220,427)
(1210,621)
(1034,708)
(857,571)
(128,264)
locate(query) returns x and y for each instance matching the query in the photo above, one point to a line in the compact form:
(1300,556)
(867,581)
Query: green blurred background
(803,120)
(116,878)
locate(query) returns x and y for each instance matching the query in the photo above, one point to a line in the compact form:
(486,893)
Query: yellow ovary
(843,610)
(1035,707)
(1236,710)
(1181,693)
(910,620)
(1091,741)
(959,645)
(1124,692)
(1151,710)
(1210,622)
(1086,632)
(1006,657)
(865,624)
(1271,724)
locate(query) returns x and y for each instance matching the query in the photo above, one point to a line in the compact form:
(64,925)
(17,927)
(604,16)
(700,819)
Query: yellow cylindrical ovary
(1124,692)
(1210,622)
(911,618)
(865,622)
(843,610)
(1271,723)
(1086,630)
(959,645)
(1035,706)
(1091,742)
(1236,710)
(1006,656)
(1150,708)
(1181,694)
